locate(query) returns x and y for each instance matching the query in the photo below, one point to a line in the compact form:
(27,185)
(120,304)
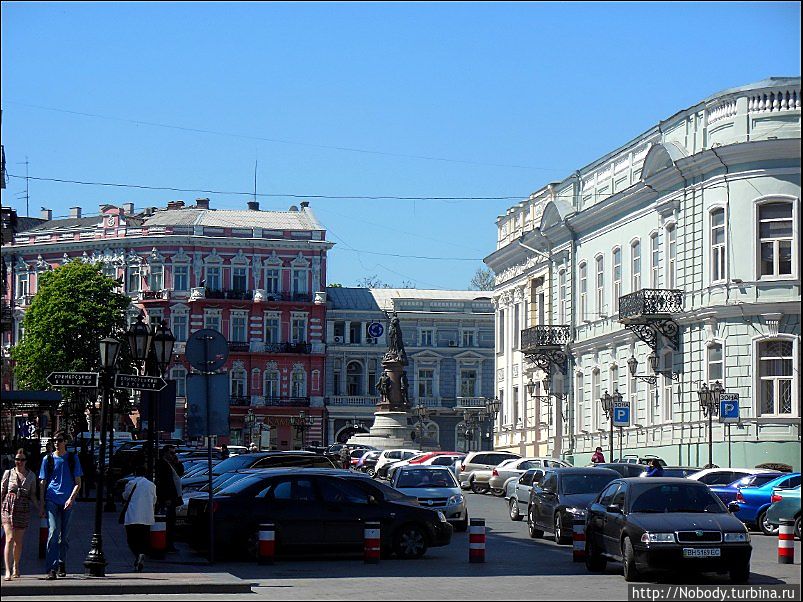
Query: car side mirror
(613,509)
(733,508)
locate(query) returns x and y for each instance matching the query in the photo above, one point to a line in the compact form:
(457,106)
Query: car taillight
(775,498)
(495,472)
(739,497)
(462,466)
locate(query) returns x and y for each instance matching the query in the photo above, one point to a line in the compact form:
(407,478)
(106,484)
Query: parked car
(681,472)
(638,459)
(333,451)
(434,487)
(563,495)
(498,476)
(755,499)
(218,483)
(785,504)
(390,456)
(427,459)
(316,510)
(665,524)
(625,469)
(274,459)
(725,476)
(727,493)
(367,461)
(480,460)
(517,491)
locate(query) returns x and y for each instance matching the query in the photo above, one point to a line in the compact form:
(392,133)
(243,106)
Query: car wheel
(410,542)
(514,510)
(797,527)
(595,562)
(535,532)
(740,574)
(765,527)
(498,492)
(462,526)
(477,488)
(560,536)
(370,472)
(629,561)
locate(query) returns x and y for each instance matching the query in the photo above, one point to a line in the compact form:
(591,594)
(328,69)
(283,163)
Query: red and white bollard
(578,540)
(267,543)
(476,540)
(43,532)
(158,539)
(786,541)
(373,542)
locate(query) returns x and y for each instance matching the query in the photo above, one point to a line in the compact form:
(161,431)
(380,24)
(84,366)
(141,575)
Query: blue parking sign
(621,414)
(729,408)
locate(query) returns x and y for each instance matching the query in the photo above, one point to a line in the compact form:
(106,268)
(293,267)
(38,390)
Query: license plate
(701,552)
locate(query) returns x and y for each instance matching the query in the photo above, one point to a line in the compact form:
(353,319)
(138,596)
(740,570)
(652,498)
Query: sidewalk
(183,572)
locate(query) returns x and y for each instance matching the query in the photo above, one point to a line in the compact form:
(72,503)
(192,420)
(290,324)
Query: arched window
(635,266)
(596,395)
(599,262)
(354,379)
(238,384)
(298,382)
(580,402)
(718,249)
(775,378)
(562,297)
(671,253)
(654,261)
(583,306)
(617,278)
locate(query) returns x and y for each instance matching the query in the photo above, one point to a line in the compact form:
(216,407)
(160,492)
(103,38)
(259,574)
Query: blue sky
(360,99)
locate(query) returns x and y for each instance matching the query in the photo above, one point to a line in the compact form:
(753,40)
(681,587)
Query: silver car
(434,487)
(480,460)
(500,475)
(517,491)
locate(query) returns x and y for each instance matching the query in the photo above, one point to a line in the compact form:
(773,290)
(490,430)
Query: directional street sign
(729,408)
(140,383)
(73,379)
(621,413)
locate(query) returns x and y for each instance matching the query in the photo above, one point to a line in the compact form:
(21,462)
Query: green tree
(483,280)
(75,307)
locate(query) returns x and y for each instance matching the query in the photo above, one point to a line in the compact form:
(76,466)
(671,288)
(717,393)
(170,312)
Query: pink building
(256,276)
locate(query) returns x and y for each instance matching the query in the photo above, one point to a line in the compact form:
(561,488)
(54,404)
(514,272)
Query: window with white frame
(239,278)
(426,382)
(238,382)
(596,395)
(213,277)
(272,280)
(579,392)
(632,396)
(501,330)
(654,261)
(133,279)
(635,266)
(617,278)
(298,330)
(156,278)
(613,379)
(179,374)
(181,277)
(583,291)
(516,325)
(775,234)
(22,284)
(298,382)
(715,363)
(212,320)
(718,250)
(239,327)
(299,281)
(671,260)
(515,407)
(600,282)
(562,297)
(468,382)
(271,384)
(775,373)
(468,338)
(426,338)
(179,326)
(272,329)
(667,363)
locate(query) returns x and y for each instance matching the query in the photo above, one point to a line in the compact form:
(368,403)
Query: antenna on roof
(256,163)
(27,196)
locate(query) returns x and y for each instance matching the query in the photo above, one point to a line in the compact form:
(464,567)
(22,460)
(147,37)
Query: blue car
(754,501)
(727,493)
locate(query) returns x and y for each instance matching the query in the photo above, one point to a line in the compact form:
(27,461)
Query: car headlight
(737,537)
(455,499)
(658,538)
(577,512)
(442,517)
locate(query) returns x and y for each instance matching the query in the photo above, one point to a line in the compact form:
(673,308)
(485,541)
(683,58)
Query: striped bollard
(373,542)
(158,539)
(267,543)
(43,532)
(578,540)
(786,541)
(476,540)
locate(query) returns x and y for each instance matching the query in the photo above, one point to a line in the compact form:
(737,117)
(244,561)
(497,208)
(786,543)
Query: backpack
(50,465)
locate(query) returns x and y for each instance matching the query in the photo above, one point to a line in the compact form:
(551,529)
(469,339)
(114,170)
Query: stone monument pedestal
(389,431)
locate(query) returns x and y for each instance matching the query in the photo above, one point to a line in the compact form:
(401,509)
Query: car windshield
(221,481)
(425,478)
(757,480)
(234,463)
(571,484)
(240,485)
(677,498)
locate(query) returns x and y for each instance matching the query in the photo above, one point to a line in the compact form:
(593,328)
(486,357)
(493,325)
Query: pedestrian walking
(655,469)
(139,499)
(598,457)
(60,477)
(169,471)
(224,451)
(17,494)
(345,457)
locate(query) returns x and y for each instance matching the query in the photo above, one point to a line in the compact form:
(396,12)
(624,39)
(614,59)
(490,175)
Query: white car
(725,476)
(436,488)
(441,459)
(390,456)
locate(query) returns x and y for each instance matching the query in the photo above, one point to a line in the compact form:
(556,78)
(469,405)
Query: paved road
(516,567)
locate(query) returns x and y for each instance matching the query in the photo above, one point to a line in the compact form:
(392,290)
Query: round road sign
(207,350)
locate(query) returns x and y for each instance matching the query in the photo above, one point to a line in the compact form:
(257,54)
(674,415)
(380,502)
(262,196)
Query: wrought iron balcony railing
(539,337)
(288,402)
(236,400)
(650,303)
(154,295)
(305,348)
(235,295)
(239,346)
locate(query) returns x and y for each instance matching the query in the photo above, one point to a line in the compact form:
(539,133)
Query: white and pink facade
(258,277)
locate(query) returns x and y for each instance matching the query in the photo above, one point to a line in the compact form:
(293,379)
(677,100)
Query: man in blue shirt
(60,476)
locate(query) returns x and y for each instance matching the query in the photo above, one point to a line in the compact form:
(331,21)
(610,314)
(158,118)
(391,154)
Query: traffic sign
(207,350)
(140,383)
(729,408)
(78,380)
(375,329)
(621,413)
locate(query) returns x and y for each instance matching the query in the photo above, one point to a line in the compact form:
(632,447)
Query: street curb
(127,584)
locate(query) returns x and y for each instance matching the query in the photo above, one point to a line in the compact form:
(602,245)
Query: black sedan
(563,495)
(665,524)
(316,510)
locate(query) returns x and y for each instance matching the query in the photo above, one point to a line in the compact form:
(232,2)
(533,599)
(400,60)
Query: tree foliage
(483,280)
(75,307)
(375,282)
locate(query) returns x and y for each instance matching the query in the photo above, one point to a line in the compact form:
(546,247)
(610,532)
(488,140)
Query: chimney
(202,203)
(253,205)
(47,214)
(304,205)
(75,212)
(128,208)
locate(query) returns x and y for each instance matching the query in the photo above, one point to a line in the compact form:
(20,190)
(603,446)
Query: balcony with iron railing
(353,400)
(230,294)
(239,346)
(471,402)
(160,295)
(540,337)
(276,402)
(649,304)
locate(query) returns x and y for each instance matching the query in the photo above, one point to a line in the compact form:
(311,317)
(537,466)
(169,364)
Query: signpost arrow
(77,380)
(140,383)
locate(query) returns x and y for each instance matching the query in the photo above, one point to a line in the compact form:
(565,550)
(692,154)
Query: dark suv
(316,511)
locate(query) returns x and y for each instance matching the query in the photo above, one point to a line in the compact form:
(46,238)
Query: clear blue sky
(358,99)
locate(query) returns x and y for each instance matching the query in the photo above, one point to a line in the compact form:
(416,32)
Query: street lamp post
(492,405)
(609,402)
(95,562)
(709,403)
(422,413)
(250,421)
(163,342)
(302,423)
(261,425)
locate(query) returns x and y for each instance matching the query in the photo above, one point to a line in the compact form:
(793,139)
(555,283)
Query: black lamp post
(422,413)
(709,404)
(162,340)
(249,421)
(302,424)
(609,402)
(492,406)
(95,562)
